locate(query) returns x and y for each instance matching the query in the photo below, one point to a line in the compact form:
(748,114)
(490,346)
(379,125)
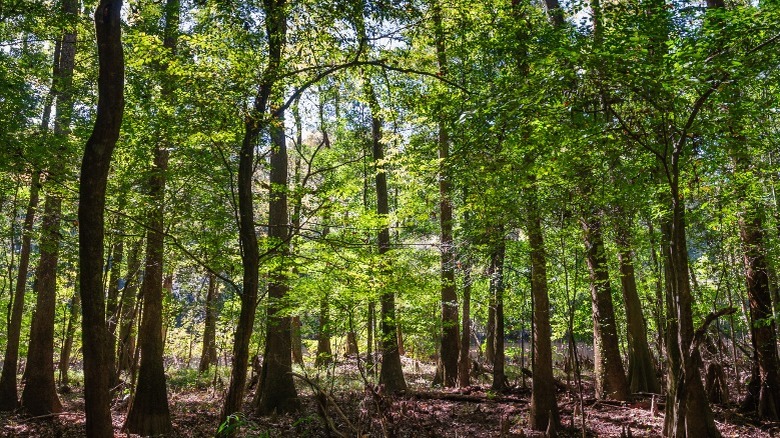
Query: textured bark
(67,345)
(208,356)
(39,396)
(448,347)
(608,369)
(92,198)
(763,337)
(497,291)
(8,391)
(544,406)
(149,413)
(277,391)
(464,359)
(641,371)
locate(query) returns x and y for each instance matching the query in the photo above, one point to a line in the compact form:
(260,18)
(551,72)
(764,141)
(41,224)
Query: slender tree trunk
(67,346)
(129,299)
(92,198)
(490,331)
(641,372)
(324,351)
(8,391)
(208,354)
(544,406)
(497,290)
(447,368)
(464,359)
(115,261)
(609,375)
(391,374)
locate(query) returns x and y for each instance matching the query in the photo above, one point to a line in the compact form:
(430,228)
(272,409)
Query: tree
(92,197)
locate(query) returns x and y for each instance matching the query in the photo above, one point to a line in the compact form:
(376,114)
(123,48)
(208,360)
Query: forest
(389,218)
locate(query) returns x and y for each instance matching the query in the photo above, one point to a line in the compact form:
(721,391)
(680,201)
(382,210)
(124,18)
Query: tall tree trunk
(464,359)
(497,291)
(490,331)
(391,375)
(448,347)
(641,372)
(39,396)
(208,355)
(609,374)
(544,406)
(129,299)
(276,27)
(8,391)
(277,392)
(67,346)
(149,413)
(92,199)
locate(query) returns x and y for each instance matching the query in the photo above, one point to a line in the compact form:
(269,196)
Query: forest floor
(352,410)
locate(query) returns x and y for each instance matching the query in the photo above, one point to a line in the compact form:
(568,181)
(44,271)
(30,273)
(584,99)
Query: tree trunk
(250,258)
(67,346)
(609,375)
(497,291)
(544,406)
(448,347)
(767,402)
(490,331)
(641,372)
(39,396)
(277,392)
(208,354)
(687,411)
(8,391)
(92,198)
(129,299)
(464,359)
(391,374)
(324,352)
(115,262)
(149,413)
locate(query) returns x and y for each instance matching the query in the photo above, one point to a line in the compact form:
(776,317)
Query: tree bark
(149,413)
(641,371)
(208,354)
(92,198)
(129,299)
(8,391)
(497,291)
(67,346)
(544,406)
(39,396)
(609,374)
(464,359)
(448,347)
